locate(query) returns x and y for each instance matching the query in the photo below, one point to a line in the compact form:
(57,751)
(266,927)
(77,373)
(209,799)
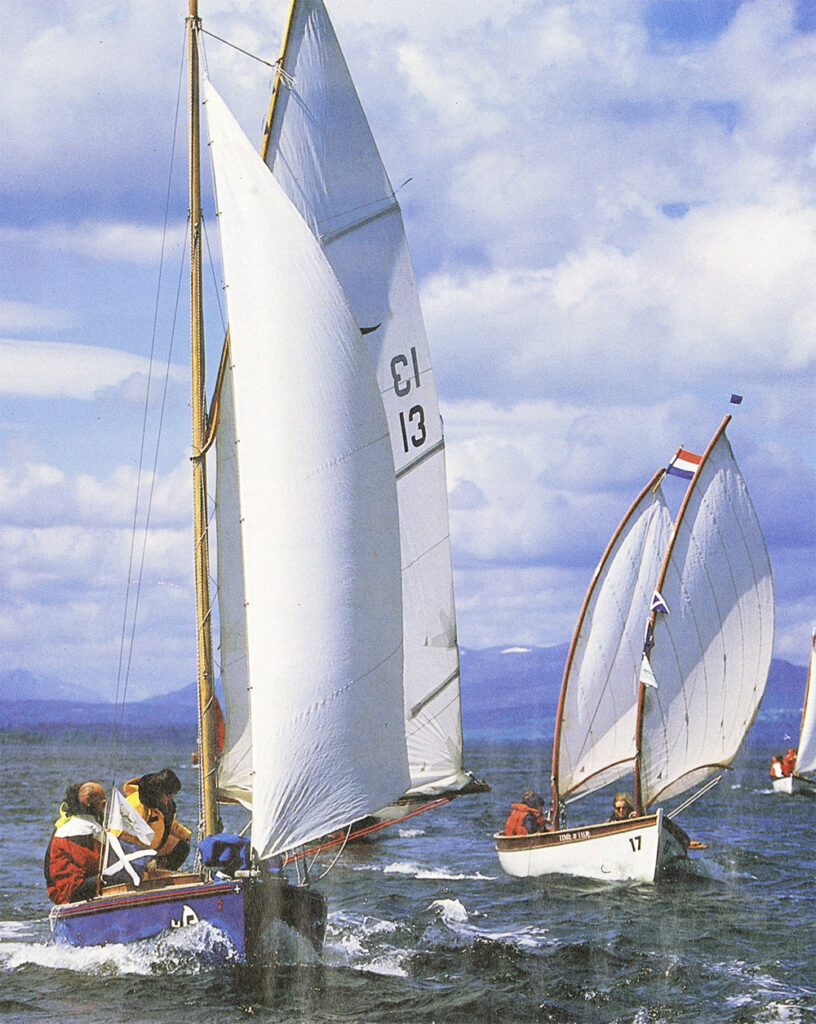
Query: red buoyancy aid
(515,823)
(72,856)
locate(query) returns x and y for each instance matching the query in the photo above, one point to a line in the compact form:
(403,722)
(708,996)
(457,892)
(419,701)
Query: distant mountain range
(508,693)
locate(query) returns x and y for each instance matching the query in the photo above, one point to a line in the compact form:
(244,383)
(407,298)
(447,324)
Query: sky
(611,209)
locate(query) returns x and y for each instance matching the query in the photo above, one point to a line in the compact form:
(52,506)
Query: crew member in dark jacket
(72,858)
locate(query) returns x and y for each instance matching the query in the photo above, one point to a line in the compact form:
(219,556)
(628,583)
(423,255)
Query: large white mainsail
(595,741)
(320,147)
(712,650)
(806,754)
(308,538)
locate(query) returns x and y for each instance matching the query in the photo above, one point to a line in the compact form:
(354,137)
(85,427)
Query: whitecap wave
(455,916)
(181,951)
(418,871)
(364,943)
(19,929)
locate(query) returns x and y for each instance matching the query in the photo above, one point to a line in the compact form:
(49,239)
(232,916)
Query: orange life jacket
(515,826)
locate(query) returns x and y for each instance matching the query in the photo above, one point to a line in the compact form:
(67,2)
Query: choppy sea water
(424,926)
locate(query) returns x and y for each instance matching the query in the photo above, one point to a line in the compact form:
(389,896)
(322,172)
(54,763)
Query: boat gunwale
(576,834)
(135,897)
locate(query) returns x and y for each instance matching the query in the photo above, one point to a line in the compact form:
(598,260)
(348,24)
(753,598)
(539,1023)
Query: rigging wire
(253,56)
(342,847)
(694,797)
(126,663)
(125,647)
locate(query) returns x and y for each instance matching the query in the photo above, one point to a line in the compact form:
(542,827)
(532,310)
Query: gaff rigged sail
(321,149)
(712,651)
(308,539)
(595,739)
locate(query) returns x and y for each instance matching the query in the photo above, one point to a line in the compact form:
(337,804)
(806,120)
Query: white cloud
(44,496)
(17,317)
(120,242)
(67,544)
(611,234)
(722,292)
(46,369)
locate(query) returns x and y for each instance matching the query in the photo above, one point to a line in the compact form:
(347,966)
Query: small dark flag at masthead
(736,399)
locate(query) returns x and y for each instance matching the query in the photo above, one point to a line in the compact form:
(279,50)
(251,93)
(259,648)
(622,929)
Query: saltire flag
(658,604)
(736,399)
(125,818)
(684,464)
(128,854)
(131,860)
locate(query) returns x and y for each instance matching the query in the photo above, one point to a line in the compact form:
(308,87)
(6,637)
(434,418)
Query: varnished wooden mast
(267,135)
(202,558)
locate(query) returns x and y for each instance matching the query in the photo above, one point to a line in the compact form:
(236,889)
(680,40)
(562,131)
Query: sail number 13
(405,375)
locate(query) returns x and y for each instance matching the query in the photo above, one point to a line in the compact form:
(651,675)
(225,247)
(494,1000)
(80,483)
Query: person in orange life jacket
(71,863)
(789,762)
(777,771)
(152,796)
(527,816)
(622,807)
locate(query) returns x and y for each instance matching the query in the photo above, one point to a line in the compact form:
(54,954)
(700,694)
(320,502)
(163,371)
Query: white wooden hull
(636,850)
(795,785)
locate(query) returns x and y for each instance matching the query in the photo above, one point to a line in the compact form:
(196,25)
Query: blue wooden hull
(240,908)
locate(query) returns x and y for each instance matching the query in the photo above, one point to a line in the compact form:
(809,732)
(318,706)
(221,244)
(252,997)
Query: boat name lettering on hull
(569,837)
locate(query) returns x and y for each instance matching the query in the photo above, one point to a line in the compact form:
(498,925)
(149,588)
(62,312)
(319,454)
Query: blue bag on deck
(225,852)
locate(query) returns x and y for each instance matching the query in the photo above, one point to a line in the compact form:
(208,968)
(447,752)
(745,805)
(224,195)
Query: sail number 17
(405,375)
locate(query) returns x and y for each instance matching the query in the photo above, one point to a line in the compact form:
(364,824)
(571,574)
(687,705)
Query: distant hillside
(21,685)
(174,710)
(512,693)
(508,693)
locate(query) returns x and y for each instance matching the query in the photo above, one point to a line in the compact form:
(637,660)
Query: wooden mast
(281,68)
(200,518)
(641,704)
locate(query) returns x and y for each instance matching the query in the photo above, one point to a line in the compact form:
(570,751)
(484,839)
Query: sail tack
(595,737)
(712,651)
(321,149)
(308,539)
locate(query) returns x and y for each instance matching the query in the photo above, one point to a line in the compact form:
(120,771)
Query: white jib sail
(311,605)
(712,651)
(322,151)
(806,754)
(597,733)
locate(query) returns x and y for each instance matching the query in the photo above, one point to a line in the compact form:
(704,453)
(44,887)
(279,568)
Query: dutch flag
(684,464)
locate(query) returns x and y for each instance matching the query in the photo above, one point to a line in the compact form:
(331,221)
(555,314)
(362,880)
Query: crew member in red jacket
(526,816)
(72,858)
